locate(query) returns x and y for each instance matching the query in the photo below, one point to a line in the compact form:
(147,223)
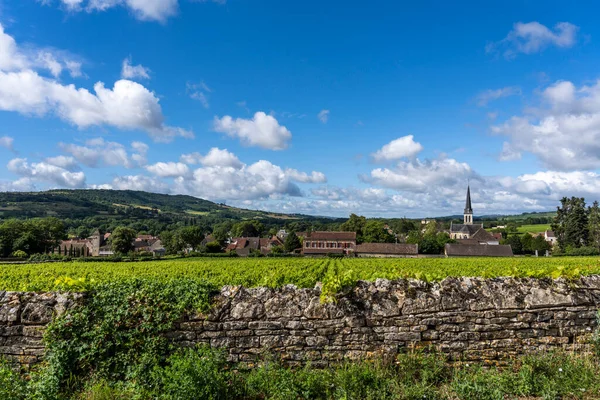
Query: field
(539,228)
(274,272)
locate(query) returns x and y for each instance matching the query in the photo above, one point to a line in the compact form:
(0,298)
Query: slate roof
(478,250)
(387,248)
(483,236)
(321,235)
(465,228)
(468,208)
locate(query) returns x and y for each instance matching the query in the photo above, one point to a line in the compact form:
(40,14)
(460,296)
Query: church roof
(483,236)
(470,229)
(468,208)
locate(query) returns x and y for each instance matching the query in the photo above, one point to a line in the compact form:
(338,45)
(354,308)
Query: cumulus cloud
(12,58)
(145,10)
(323,116)
(262,130)
(128,105)
(129,71)
(138,182)
(533,37)
(490,95)
(98,152)
(563,132)
(199,91)
(7,142)
(403,147)
(46,172)
(68,163)
(169,169)
(214,158)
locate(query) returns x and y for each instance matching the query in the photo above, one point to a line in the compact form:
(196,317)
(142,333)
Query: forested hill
(92,209)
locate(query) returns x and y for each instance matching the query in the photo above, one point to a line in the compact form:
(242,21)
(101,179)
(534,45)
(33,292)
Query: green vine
(117,334)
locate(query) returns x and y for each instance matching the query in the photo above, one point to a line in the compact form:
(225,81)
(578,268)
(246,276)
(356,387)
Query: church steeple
(468,216)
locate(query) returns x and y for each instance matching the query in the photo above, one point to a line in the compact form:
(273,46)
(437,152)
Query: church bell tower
(468,209)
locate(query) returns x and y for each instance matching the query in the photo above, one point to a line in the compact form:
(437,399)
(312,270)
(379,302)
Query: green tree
(571,223)
(191,236)
(594,225)
(355,224)
(122,240)
(539,243)
(292,242)
(514,241)
(375,232)
(213,247)
(527,243)
(251,228)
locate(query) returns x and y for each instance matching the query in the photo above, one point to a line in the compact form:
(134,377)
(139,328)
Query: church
(469,232)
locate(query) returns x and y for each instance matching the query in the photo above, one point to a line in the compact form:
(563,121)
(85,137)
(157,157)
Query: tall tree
(292,242)
(122,240)
(374,232)
(571,223)
(594,225)
(247,229)
(356,224)
(192,236)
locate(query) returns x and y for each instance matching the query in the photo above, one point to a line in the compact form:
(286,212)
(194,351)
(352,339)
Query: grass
(539,228)
(276,272)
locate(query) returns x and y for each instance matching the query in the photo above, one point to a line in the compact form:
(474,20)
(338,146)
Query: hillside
(84,211)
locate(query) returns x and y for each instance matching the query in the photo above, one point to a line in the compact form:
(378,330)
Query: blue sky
(378,108)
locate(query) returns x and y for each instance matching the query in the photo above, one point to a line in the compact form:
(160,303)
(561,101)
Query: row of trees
(576,225)
(32,236)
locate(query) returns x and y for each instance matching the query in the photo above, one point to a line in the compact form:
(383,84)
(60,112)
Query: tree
(122,240)
(514,241)
(594,225)
(375,232)
(539,243)
(355,224)
(292,242)
(247,229)
(213,247)
(571,223)
(527,243)
(192,236)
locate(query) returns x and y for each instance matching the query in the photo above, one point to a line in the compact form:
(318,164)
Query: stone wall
(469,319)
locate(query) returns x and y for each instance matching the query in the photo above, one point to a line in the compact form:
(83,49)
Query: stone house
(323,243)
(387,250)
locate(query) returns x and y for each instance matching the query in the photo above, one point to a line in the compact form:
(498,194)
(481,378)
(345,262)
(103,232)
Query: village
(468,239)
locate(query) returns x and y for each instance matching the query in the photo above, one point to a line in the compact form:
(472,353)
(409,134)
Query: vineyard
(275,272)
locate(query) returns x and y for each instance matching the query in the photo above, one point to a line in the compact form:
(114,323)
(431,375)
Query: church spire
(468,209)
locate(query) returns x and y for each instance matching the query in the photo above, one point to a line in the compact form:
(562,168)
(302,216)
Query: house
(75,247)
(157,248)
(244,246)
(282,234)
(267,244)
(550,237)
(207,239)
(385,250)
(323,243)
(477,250)
(106,251)
(481,236)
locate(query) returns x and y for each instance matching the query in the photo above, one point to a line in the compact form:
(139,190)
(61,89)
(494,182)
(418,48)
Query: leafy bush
(200,373)
(118,333)
(12,386)
(19,254)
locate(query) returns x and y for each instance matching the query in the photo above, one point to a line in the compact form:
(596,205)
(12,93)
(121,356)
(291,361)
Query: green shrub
(19,254)
(200,373)
(12,386)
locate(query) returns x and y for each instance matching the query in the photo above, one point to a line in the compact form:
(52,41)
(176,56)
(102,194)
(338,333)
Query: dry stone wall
(469,319)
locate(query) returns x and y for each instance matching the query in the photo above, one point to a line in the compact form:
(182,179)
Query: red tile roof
(322,235)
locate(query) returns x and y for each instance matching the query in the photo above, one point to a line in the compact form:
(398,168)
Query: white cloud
(563,132)
(421,176)
(129,71)
(145,10)
(138,182)
(128,105)
(49,62)
(490,95)
(508,153)
(263,130)
(403,147)
(198,91)
(98,152)
(46,172)
(323,116)
(533,37)
(169,169)
(68,163)
(74,68)
(214,158)
(313,177)
(7,142)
